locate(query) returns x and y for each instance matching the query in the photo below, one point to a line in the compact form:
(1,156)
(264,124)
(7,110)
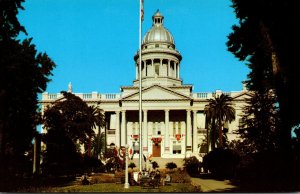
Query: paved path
(211,185)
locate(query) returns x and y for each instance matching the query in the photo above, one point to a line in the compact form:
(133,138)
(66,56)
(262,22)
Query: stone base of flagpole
(126,185)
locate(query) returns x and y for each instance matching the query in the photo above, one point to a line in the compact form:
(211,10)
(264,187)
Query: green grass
(113,187)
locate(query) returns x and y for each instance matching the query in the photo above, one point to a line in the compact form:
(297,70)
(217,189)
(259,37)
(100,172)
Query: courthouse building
(174,125)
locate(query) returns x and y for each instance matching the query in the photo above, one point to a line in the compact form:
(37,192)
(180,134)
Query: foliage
(180,176)
(218,111)
(154,165)
(132,165)
(171,165)
(221,163)
(263,38)
(260,122)
(61,156)
(269,171)
(192,165)
(91,164)
(69,122)
(24,73)
(98,145)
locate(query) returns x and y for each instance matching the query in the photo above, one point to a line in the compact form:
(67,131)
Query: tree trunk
(220,134)
(281,90)
(213,137)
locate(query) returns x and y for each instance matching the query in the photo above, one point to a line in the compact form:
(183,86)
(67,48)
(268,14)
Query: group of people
(155,174)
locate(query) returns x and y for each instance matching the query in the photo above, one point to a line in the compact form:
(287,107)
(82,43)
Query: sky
(93,42)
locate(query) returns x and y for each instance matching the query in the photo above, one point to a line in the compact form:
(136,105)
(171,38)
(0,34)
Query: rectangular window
(176,148)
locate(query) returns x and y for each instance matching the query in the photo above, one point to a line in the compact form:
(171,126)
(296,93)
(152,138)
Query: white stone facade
(173,121)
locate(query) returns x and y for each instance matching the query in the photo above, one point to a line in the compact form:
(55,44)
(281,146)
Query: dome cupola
(158,33)
(160,60)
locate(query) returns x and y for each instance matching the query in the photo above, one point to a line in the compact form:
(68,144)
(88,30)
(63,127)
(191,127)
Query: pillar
(137,71)
(168,71)
(153,69)
(145,134)
(188,133)
(195,132)
(167,136)
(183,132)
(143,70)
(175,70)
(117,133)
(123,128)
(178,71)
(160,67)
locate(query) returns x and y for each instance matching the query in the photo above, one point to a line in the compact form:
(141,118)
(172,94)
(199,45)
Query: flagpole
(140,83)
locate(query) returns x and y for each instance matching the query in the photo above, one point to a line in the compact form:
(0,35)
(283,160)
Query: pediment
(157,92)
(242,96)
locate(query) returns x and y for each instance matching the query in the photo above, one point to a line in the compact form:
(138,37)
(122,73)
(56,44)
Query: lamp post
(126,184)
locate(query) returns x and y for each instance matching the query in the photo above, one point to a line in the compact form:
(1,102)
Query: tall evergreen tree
(267,38)
(260,122)
(24,72)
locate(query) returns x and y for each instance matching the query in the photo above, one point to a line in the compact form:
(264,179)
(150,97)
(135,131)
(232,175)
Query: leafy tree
(192,166)
(218,111)
(263,38)
(68,121)
(24,73)
(222,163)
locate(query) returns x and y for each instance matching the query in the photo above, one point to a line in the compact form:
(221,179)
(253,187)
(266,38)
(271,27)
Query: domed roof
(158,33)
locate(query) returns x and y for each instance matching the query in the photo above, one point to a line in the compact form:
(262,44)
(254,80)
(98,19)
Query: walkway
(212,185)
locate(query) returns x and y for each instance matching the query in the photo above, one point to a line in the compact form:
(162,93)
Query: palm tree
(218,111)
(95,118)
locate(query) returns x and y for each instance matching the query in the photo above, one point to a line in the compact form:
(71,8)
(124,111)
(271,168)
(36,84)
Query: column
(188,133)
(137,71)
(117,133)
(123,128)
(167,136)
(160,67)
(143,70)
(145,135)
(195,133)
(169,69)
(178,71)
(153,70)
(183,132)
(175,69)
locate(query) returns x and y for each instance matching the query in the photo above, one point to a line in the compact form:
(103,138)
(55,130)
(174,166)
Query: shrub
(269,171)
(180,176)
(192,166)
(221,162)
(132,165)
(154,165)
(171,165)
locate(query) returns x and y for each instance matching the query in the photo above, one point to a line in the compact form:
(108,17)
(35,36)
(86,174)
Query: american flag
(142,10)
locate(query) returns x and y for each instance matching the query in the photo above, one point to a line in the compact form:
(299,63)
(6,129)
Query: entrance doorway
(156,149)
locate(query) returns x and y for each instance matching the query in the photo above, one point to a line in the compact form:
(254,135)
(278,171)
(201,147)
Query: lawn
(114,187)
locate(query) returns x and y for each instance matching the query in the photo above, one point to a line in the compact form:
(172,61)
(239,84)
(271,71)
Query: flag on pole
(142,10)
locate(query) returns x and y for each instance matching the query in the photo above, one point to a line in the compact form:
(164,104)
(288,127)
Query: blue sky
(93,41)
